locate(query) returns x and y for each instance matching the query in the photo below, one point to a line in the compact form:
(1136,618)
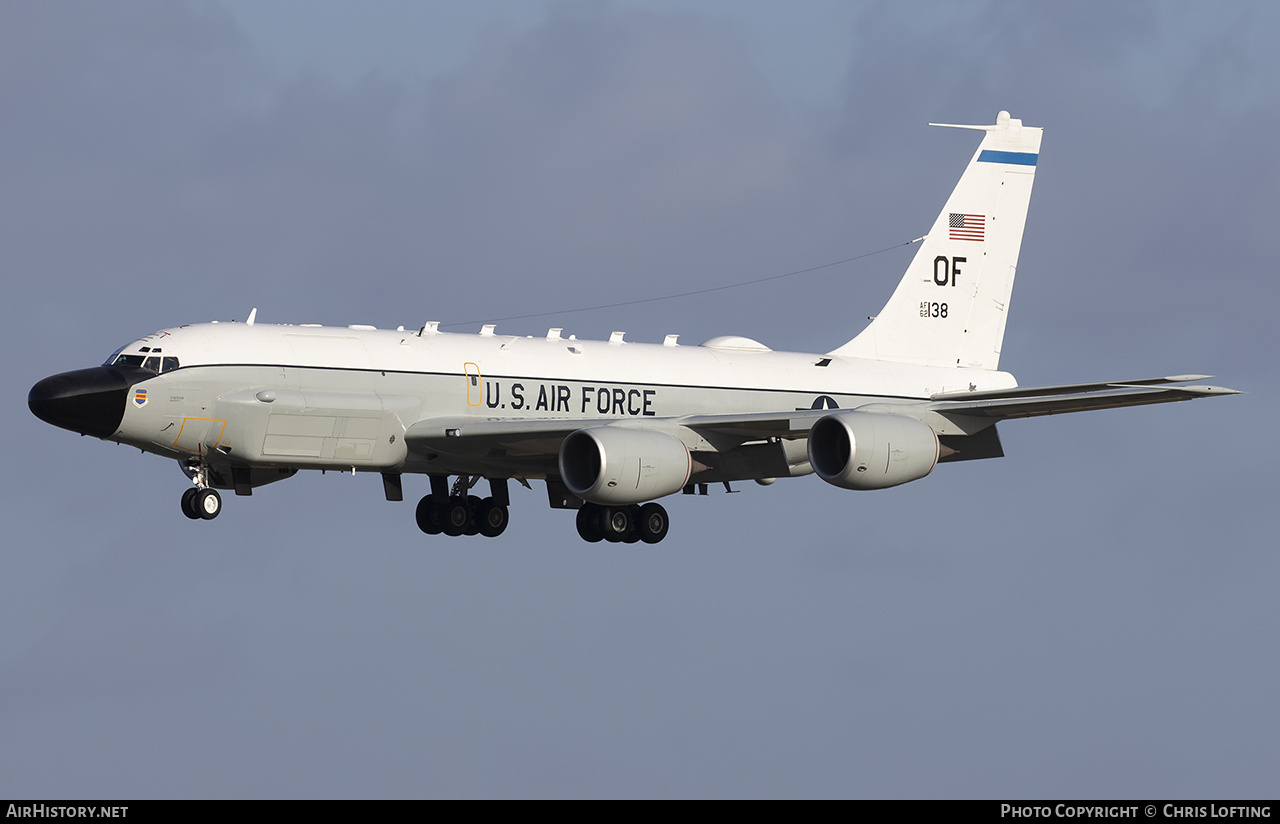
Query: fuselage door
(475,391)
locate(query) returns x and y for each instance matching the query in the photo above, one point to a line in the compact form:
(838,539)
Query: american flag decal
(967,227)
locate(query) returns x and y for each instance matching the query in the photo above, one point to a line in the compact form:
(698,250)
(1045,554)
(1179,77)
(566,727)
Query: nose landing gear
(201,502)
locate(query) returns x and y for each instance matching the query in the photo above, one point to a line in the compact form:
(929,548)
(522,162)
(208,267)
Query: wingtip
(1207,390)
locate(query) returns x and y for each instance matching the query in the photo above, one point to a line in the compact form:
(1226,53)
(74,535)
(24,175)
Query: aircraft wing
(1019,402)
(525,439)
(1034,401)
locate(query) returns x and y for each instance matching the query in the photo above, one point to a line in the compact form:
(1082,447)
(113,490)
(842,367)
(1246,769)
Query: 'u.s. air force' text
(554,397)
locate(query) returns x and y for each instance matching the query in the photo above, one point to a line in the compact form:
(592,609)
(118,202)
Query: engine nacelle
(616,465)
(865,450)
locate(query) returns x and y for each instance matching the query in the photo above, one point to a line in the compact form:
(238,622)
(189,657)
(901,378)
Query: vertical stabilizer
(951,306)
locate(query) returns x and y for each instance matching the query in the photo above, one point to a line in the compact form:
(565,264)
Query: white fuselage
(317,397)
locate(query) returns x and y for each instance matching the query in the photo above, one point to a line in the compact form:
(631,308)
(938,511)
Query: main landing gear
(201,502)
(457,513)
(625,524)
(453,511)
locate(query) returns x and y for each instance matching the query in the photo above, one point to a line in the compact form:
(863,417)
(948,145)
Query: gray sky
(1091,616)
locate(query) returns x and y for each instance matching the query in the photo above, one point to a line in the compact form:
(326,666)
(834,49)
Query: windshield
(152,362)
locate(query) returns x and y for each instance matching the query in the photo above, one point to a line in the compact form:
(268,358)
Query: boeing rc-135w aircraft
(610,426)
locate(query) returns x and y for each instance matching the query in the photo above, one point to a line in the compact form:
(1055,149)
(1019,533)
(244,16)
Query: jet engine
(864,450)
(616,465)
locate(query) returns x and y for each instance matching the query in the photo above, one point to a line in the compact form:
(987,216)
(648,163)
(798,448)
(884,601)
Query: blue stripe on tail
(1015,158)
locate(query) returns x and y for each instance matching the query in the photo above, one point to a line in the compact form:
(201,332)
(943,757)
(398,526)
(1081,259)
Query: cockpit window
(152,363)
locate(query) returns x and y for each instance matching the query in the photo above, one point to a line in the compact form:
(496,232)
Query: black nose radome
(89,401)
